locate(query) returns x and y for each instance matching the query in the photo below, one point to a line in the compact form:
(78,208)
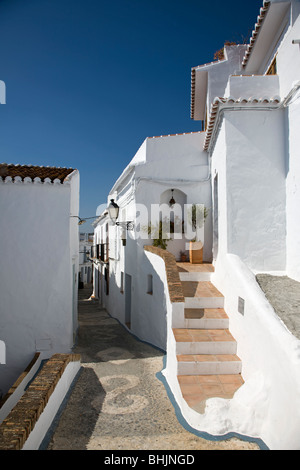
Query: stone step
(204,302)
(195,276)
(208,364)
(205,318)
(199,341)
(196,389)
(200,289)
(201,295)
(188,267)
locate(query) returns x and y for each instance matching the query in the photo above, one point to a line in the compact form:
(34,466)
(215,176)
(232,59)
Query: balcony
(100,252)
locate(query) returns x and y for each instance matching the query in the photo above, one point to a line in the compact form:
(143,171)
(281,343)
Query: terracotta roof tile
(255,32)
(32,172)
(242,103)
(260,19)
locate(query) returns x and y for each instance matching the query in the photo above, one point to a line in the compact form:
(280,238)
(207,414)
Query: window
(272,70)
(122,283)
(150,284)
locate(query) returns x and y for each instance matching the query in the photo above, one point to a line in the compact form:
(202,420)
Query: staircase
(207,364)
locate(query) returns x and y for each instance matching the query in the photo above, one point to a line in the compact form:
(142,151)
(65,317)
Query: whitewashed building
(252,139)
(126,284)
(39,264)
(252,142)
(245,168)
(85,263)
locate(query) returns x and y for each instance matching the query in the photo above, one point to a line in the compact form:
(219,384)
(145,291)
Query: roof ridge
(260,19)
(19,172)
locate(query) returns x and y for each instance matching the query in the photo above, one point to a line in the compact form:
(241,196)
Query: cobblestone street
(118,402)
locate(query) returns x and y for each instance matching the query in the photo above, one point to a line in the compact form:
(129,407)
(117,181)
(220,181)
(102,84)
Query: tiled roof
(234,103)
(193,85)
(32,172)
(173,135)
(255,32)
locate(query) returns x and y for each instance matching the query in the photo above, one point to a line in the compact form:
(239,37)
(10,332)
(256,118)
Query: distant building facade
(85,263)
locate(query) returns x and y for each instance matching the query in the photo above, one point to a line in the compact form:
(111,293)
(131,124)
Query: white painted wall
(288,66)
(255,86)
(254,190)
(287,53)
(293,192)
(39,245)
(177,162)
(218,72)
(270,354)
(220,194)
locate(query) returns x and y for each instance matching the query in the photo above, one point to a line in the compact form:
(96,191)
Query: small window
(150,284)
(272,70)
(122,283)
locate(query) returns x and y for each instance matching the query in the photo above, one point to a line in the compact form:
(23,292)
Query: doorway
(216,218)
(128,300)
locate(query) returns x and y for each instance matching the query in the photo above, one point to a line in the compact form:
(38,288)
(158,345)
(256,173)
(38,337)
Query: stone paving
(118,402)
(283,293)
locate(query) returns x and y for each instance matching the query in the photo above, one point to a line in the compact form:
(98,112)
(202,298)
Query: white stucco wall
(268,403)
(36,282)
(218,72)
(256,86)
(293,192)
(177,162)
(220,194)
(287,53)
(255,188)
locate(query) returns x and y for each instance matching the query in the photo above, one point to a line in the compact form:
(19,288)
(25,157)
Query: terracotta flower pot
(196,252)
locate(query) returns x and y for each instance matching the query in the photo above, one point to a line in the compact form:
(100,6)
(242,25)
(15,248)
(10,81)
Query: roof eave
(242,104)
(199,84)
(268,24)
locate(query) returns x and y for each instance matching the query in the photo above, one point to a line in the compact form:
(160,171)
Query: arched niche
(178,196)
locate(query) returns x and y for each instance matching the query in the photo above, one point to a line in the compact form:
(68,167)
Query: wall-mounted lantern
(113,212)
(172,200)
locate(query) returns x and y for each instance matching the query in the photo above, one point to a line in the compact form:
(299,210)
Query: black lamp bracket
(128,225)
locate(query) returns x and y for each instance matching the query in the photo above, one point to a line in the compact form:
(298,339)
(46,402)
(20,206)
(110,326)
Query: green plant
(197,215)
(159,237)
(219,55)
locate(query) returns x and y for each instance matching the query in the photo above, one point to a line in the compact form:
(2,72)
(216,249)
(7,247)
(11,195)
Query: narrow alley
(118,402)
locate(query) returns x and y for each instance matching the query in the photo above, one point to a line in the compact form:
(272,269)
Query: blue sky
(88,80)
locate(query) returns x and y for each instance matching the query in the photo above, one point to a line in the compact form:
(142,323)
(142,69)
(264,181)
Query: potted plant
(198,215)
(196,252)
